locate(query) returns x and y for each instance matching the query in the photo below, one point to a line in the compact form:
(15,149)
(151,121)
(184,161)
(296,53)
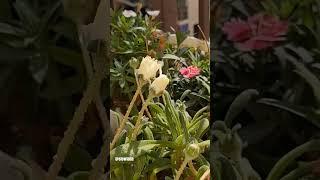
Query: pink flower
(190,72)
(258,32)
(237,30)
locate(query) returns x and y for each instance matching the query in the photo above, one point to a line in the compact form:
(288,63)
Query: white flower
(129,13)
(159,85)
(204,46)
(189,42)
(172,39)
(153,13)
(148,68)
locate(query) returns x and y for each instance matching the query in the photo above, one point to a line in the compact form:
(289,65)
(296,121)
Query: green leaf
(78,159)
(304,112)
(157,166)
(47,17)
(14,55)
(199,128)
(301,70)
(79,175)
(181,36)
(239,5)
(148,133)
(184,126)
(11,30)
(270,6)
(201,171)
(66,57)
(304,54)
(38,68)
(26,14)
(171,56)
(239,104)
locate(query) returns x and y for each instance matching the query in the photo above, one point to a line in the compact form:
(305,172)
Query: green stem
(137,126)
(125,118)
(283,163)
(299,172)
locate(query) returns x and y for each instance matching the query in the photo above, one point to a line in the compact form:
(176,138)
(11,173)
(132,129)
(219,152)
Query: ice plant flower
(129,13)
(148,68)
(189,42)
(259,32)
(190,72)
(172,39)
(153,13)
(159,85)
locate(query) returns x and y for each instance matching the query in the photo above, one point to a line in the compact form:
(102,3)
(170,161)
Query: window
(182,9)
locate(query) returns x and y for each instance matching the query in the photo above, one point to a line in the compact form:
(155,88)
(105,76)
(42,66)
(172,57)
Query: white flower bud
(153,13)
(129,13)
(159,85)
(148,68)
(172,39)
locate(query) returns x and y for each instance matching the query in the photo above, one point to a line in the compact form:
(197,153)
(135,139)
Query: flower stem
(137,126)
(205,175)
(125,118)
(147,110)
(142,100)
(180,171)
(193,169)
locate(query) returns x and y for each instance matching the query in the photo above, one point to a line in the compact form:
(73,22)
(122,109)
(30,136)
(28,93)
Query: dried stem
(78,117)
(206,175)
(180,171)
(204,36)
(89,96)
(143,101)
(89,69)
(125,118)
(100,162)
(193,169)
(137,126)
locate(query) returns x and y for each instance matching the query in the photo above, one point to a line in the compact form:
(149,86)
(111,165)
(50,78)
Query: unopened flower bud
(134,63)
(129,13)
(192,151)
(159,85)
(153,14)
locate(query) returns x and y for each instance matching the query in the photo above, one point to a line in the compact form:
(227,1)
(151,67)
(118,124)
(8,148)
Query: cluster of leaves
(273,92)
(159,151)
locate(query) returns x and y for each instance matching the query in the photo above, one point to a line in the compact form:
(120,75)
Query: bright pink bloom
(258,32)
(190,72)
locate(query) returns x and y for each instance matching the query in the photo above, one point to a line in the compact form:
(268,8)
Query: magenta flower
(190,72)
(258,32)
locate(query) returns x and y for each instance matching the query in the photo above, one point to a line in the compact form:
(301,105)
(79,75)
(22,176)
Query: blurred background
(183,15)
